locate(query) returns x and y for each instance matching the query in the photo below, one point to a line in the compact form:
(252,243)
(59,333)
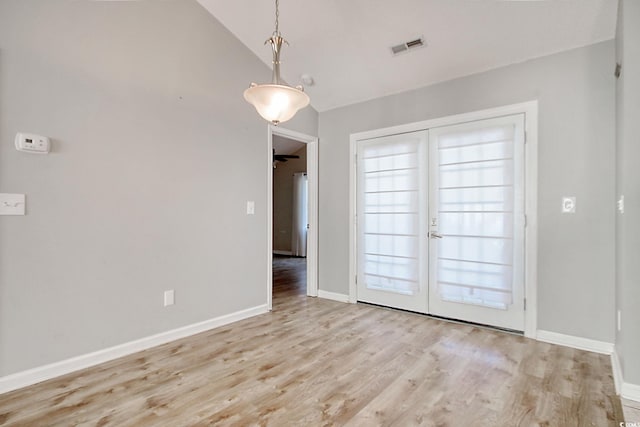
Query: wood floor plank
(314,362)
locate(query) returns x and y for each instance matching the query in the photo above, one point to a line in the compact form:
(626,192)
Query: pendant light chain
(277,32)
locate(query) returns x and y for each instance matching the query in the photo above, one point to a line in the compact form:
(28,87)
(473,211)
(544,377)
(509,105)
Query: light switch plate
(251,207)
(569,205)
(12,204)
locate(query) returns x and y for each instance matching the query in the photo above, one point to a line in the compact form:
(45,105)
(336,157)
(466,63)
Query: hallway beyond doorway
(289,277)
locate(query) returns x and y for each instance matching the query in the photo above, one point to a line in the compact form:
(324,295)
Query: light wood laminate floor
(314,362)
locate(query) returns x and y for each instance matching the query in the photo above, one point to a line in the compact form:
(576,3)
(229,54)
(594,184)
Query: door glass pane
(389,214)
(476,215)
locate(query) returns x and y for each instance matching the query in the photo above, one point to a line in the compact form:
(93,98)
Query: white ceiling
(345,44)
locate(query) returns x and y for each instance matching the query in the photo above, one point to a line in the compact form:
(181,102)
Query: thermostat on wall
(32,143)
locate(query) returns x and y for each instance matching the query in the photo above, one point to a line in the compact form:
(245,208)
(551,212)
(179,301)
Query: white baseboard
(333,296)
(626,390)
(617,372)
(289,253)
(43,373)
(575,342)
(630,391)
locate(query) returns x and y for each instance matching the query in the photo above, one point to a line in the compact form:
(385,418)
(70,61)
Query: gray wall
(628,183)
(575,90)
(283,198)
(155,153)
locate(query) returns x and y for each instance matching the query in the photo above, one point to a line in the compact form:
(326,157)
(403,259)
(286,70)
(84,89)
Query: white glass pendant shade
(276,103)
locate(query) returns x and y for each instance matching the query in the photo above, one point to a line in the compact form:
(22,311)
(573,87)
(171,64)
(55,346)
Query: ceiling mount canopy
(276,102)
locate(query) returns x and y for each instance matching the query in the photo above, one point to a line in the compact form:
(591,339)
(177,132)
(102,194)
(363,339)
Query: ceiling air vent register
(407,46)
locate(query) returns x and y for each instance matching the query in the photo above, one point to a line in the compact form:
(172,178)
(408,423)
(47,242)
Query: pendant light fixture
(276,102)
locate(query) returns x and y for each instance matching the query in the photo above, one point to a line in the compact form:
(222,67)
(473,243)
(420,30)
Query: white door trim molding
(312,233)
(530,109)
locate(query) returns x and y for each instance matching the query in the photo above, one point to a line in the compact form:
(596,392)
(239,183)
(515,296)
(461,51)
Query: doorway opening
(290,216)
(292,208)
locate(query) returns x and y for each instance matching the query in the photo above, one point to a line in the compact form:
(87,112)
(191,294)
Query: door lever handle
(435,235)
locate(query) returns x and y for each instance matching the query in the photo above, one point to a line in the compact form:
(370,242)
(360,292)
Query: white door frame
(530,109)
(312,196)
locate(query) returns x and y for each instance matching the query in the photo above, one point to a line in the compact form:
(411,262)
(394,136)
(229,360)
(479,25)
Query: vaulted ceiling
(345,45)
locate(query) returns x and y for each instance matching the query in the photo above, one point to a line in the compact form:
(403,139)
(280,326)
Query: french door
(391,211)
(441,221)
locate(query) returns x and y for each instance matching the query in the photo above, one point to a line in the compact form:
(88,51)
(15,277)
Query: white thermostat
(31,143)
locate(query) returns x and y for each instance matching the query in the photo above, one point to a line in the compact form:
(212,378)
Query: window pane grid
(475,161)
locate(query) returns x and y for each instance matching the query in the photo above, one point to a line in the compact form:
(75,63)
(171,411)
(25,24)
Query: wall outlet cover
(569,204)
(169,298)
(12,204)
(619,321)
(621,204)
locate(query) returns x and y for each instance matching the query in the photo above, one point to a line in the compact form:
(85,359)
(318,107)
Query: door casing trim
(530,110)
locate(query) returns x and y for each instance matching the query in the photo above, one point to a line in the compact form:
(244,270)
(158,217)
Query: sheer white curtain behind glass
(476,215)
(389,214)
(299,218)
